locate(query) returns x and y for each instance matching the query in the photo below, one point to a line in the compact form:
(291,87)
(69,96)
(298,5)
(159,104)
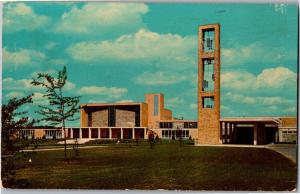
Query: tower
(209,84)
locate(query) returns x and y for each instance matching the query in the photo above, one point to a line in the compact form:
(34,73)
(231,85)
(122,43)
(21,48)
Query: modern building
(134,120)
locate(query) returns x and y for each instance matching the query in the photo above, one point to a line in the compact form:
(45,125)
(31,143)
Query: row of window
(187,125)
(175,134)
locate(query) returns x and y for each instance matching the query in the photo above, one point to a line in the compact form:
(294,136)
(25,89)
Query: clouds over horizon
(92,16)
(269,81)
(256,52)
(112,92)
(22,58)
(144,46)
(19,16)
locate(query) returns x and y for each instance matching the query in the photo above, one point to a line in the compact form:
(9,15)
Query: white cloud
(15,95)
(269,80)
(173,102)
(112,92)
(276,78)
(39,99)
(255,52)
(124,101)
(13,84)
(259,100)
(21,58)
(97,101)
(25,84)
(144,46)
(102,17)
(160,78)
(19,16)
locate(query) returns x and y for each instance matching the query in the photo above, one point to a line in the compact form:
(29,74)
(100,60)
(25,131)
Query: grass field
(166,166)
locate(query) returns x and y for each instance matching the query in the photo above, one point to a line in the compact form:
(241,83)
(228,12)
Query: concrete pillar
(221,128)
(121,133)
(133,133)
(99,132)
(110,133)
(255,134)
(71,131)
(145,134)
(90,133)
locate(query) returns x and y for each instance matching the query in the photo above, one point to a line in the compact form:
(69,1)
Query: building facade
(136,119)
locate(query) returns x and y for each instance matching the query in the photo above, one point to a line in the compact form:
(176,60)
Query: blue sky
(120,51)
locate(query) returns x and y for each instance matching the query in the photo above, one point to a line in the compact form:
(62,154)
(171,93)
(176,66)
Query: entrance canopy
(249,130)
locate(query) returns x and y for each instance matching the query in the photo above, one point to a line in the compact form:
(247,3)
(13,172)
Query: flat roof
(175,120)
(113,104)
(250,119)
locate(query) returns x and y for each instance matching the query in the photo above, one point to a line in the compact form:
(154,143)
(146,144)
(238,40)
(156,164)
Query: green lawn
(166,166)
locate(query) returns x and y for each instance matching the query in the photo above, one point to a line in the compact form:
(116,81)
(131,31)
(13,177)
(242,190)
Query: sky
(117,52)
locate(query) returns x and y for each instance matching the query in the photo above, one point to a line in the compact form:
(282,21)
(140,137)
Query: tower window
(208,102)
(208,75)
(208,40)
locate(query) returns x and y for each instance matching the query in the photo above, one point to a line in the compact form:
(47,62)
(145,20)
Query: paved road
(288,150)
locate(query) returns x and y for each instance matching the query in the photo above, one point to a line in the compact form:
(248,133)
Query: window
(190,125)
(208,102)
(166,125)
(208,40)
(208,75)
(155,105)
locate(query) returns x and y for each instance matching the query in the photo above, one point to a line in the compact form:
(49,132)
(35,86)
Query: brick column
(133,133)
(121,133)
(110,133)
(255,134)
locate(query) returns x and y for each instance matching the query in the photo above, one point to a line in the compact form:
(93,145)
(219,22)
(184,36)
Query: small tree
(61,108)
(11,124)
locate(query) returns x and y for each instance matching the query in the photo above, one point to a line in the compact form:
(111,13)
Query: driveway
(288,150)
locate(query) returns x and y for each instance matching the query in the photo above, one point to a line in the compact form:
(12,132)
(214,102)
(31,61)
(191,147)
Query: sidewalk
(53,149)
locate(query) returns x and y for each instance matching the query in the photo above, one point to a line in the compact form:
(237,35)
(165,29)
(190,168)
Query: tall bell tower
(209,84)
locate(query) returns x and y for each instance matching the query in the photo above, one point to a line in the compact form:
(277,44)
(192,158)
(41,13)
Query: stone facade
(125,118)
(100,118)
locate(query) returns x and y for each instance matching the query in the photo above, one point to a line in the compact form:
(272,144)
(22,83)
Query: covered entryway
(249,130)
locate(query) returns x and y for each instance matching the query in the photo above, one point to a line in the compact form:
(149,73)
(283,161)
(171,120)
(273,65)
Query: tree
(11,124)
(61,108)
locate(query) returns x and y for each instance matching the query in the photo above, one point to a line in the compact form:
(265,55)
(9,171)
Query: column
(71,131)
(121,133)
(99,132)
(145,134)
(80,133)
(221,126)
(225,132)
(255,134)
(110,133)
(90,133)
(133,133)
